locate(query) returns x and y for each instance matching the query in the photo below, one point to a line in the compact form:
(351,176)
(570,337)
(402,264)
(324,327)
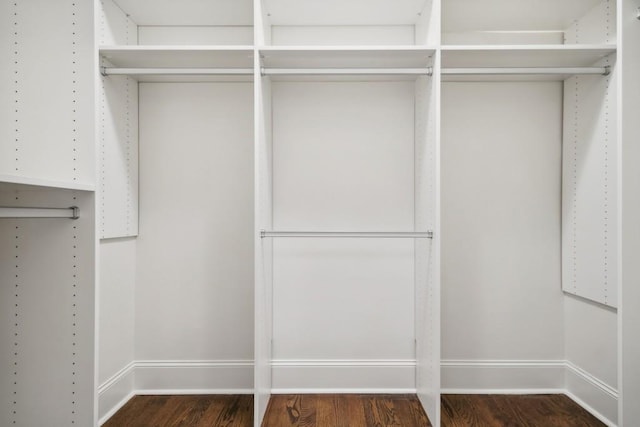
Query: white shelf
(12,181)
(178,56)
(346,57)
(340,12)
(540,56)
(191,57)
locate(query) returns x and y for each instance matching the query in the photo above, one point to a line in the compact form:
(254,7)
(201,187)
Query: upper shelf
(522,57)
(188,57)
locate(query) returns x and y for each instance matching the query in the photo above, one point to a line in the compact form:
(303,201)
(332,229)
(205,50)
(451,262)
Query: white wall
(194,291)
(501,292)
(343,161)
(116,322)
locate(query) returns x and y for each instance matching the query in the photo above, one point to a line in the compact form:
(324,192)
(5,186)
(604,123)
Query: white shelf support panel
(115,71)
(427,71)
(11,212)
(603,71)
(351,234)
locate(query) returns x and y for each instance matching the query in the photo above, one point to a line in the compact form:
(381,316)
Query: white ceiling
(344,12)
(189,12)
(512,15)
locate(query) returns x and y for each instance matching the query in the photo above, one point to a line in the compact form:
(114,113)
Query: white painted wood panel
(47,303)
(48,102)
(590,187)
(629,345)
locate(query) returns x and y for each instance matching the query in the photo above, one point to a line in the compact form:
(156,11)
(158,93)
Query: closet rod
(603,71)
(11,212)
(346,71)
(350,234)
(113,71)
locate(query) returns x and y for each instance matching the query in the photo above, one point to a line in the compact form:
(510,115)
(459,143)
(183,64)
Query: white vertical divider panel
(427,252)
(118,131)
(629,314)
(598,26)
(427,28)
(47,311)
(263,247)
(262,24)
(590,188)
(46,90)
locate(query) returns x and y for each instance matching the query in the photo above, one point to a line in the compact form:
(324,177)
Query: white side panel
(343,160)
(118,134)
(178,36)
(114,26)
(427,28)
(501,166)
(427,252)
(598,26)
(264,247)
(118,156)
(590,190)
(47,309)
(262,32)
(629,373)
(46,112)
(195,248)
(332,35)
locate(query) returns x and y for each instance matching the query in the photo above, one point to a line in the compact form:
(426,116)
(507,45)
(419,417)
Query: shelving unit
(293,180)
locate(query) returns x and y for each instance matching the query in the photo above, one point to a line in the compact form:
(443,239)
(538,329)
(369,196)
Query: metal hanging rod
(113,71)
(428,71)
(603,71)
(351,234)
(11,212)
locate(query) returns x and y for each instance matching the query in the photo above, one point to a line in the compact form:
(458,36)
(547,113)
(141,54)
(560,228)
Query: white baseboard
(595,396)
(532,377)
(115,392)
(502,376)
(343,376)
(162,377)
(191,376)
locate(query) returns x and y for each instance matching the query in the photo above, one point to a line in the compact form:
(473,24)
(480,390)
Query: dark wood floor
(345,410)
(349,410)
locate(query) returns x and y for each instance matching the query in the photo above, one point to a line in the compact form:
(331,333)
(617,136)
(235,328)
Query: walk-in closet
(265,200)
